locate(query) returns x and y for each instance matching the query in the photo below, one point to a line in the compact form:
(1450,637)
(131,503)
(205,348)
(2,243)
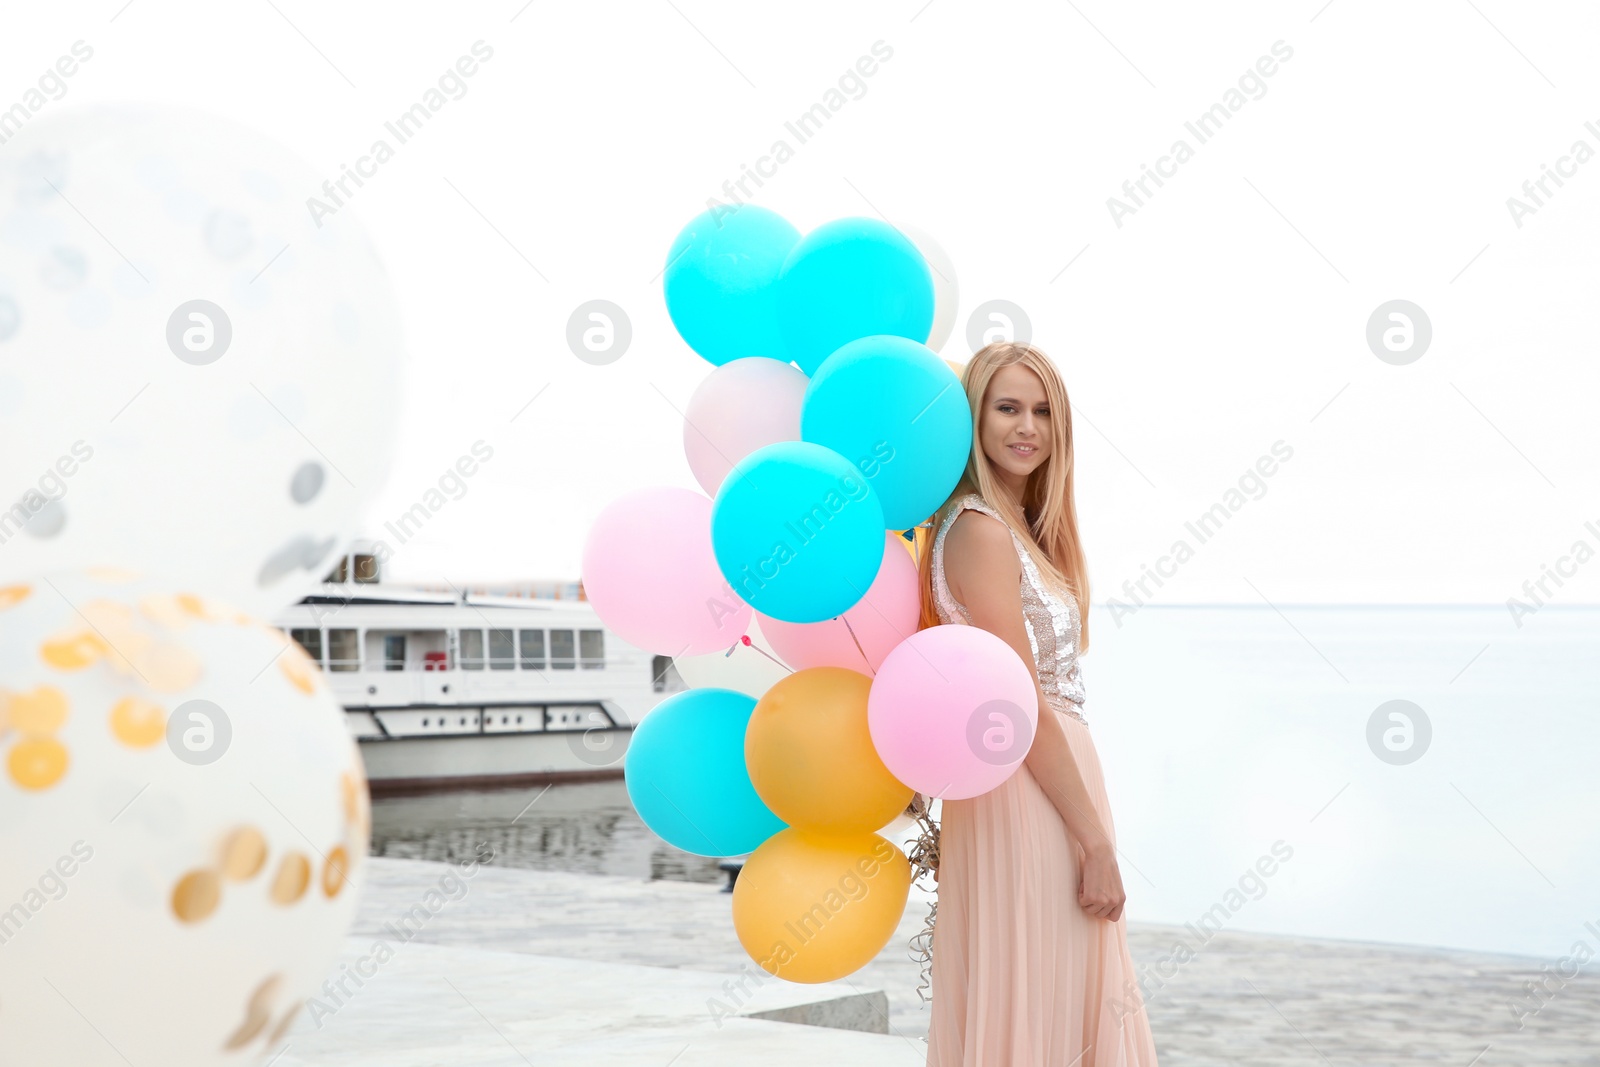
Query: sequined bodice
(1053,621)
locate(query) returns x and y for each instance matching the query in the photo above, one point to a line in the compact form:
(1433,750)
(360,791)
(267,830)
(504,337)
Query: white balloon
(745,669)
(196,378)
(741,406)
(946,293)
(183,820)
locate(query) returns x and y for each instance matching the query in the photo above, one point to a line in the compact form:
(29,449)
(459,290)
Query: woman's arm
(984,574)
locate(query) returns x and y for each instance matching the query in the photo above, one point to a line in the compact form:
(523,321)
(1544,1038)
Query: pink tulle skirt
(1021,974)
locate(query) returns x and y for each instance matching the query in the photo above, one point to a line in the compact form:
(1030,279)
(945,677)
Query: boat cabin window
(403,650)
(366,568)
(341,573)
(311,642)
(470,656)
(502,650)
(592,649)
(344,651)
(563,653)
(532,649)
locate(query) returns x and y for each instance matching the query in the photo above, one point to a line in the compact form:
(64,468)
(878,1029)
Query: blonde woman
(1030,954)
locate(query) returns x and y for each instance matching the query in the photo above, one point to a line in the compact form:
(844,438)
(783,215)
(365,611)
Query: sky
(1203,326)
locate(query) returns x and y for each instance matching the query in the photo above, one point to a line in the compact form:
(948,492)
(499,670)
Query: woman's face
(1014,426)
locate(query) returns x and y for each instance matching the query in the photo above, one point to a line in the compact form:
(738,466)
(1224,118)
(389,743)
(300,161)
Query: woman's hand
(1100,883)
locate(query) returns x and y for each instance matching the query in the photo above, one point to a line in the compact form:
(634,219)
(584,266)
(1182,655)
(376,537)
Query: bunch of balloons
(828,432)
(198,396)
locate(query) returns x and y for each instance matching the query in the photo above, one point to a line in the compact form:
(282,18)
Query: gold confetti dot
(255,1021)
(334,870)
(73,650)
(168,668)
(164,609)
(243,854)
(41,711)
(294,875)
(138,723)
(298,668)
(108,616)
(352,797)
(258,1014)
(267,991)
(283,1025)
(37,762)
(196,896)
(124,649)
(113,575)
(12,595)
(208,610)
(191,604)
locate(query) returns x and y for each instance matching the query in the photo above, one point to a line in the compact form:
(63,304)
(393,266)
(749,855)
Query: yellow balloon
(814,906)
(810,754)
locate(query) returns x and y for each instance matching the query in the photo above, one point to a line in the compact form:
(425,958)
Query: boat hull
(462,761)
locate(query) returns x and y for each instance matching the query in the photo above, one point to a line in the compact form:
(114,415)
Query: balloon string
(845,619)
(745,640)
(924,857)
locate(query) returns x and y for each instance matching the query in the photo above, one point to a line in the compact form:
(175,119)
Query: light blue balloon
(900,414)
(797,532)
(852,278)
(721,282)
(686,774)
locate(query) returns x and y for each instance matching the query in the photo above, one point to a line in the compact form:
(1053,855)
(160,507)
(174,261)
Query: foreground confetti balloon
(196,377)
(183,820)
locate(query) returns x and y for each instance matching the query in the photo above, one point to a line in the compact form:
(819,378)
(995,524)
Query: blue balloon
(721,282)
(797,532)
(899,412)
(852,278)
(686,774)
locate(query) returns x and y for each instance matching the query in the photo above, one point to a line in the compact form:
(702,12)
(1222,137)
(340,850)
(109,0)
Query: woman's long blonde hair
(1051,536)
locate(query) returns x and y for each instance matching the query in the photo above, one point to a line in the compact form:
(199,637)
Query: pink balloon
(741,406)
(952,711)
(649,571)
(881,619)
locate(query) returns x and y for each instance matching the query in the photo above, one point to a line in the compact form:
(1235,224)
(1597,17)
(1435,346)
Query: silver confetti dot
(10,318)
(228,234)
(307,482)
(64,268)
(48,521)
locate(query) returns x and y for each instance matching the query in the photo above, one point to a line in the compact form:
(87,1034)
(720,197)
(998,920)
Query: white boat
(458,689)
